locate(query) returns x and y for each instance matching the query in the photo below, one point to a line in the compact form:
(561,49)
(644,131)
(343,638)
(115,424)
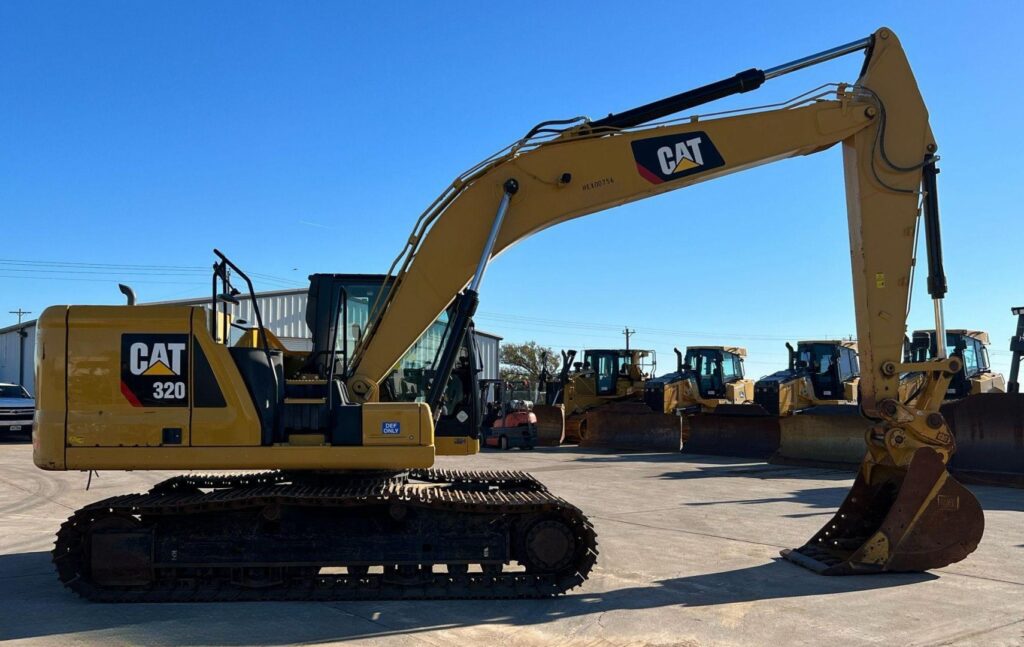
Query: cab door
(606,373)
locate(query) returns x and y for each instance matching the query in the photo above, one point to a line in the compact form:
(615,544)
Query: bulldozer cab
(713,368)
(971,346)
(829,365)
(611,366)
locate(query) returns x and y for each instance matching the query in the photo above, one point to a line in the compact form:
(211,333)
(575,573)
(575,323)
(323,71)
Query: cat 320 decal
(154,369)
(671,157)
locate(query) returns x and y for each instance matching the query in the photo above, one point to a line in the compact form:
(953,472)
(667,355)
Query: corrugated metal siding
(284,314)
(9,350)
(488,345)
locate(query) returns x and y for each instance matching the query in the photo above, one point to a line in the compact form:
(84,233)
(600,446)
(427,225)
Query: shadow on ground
(594,455)
(35,606)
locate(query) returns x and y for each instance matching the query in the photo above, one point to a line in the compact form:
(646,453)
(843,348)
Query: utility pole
(627,332)
(21,313)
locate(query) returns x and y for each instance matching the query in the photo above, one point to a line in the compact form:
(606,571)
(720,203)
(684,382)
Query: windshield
(12,391)
(816,357)
(972,351)
(412,376)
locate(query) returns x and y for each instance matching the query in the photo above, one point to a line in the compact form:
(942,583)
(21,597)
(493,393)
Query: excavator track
(419,534)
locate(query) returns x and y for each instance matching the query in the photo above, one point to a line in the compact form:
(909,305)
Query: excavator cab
(337,311)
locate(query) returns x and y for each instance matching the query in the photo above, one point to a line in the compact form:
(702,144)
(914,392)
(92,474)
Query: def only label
(154,369)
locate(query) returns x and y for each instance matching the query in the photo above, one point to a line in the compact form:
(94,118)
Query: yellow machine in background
(605,377)
(707,378)
(351,509)
(821,372)
(971,346)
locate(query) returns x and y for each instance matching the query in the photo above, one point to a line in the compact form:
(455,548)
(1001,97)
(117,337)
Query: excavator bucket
(550,424)
(630,426)
(896,519)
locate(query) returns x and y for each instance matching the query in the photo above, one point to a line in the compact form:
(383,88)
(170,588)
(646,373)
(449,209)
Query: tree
(525,361)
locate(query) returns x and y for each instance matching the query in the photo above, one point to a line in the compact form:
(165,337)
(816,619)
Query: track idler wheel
(897,520)
(550,546)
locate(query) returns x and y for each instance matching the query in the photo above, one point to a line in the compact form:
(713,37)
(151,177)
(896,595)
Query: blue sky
(302,137)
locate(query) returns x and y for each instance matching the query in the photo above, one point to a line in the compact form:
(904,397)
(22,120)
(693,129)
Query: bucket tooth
(897,520)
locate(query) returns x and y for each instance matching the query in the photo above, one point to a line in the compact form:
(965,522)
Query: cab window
(970,357)
(983,362)
(606,368)
(848,367)
(732,367)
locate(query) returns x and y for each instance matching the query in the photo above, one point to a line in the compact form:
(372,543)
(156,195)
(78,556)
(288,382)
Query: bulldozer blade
(550,424)
(897,520)
(989,431)
(630,426)
(740,436)
(822,436)
(741,410)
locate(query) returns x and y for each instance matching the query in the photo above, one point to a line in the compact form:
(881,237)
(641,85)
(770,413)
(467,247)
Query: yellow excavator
(352,508)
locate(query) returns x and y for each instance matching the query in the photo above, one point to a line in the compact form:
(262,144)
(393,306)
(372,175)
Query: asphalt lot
(689,556)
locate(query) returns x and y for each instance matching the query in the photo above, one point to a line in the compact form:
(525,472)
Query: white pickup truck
(16,409)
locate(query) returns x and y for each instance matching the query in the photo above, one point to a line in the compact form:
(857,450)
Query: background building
(283,311)
(17,354)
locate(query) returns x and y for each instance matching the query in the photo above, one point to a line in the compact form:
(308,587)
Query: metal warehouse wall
(488,345)
(284,314)
(9,351)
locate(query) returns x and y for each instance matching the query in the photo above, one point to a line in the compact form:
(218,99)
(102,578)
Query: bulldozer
(971,346)
(604,379)
(707,378)
(820,373)
(323,489)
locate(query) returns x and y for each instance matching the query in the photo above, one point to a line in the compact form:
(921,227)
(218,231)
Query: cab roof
(735,350)
(845,343)
(980,335)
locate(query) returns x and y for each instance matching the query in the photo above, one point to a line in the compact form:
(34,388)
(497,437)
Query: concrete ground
(689,556)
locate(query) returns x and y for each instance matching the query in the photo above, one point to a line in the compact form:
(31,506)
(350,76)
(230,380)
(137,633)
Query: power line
(62,268)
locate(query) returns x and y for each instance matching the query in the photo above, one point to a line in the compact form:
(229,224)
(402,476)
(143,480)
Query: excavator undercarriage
(328,536)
